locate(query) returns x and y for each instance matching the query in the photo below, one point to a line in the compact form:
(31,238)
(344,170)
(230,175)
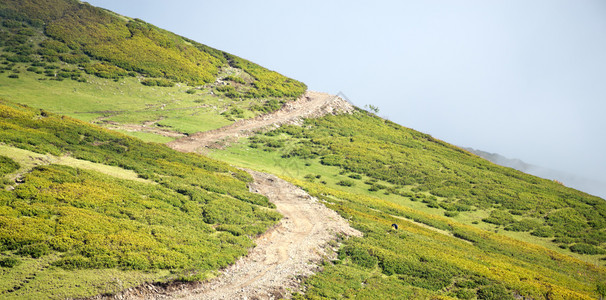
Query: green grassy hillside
(432,257)
(85,210)
(117,210)
(471,228)
(110,45)
(121,73)
(376,156)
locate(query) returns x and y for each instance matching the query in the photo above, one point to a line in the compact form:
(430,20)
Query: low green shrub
(34,250)
(543,231)
(586,249)
(345,183)
(524,225)
(451,213)
(499,217)
(7,165)
(270,105)
(358,256)
(161,82)
(235,79)
(9,262)
(494,292)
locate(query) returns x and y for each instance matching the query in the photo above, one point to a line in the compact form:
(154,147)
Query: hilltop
(123,73)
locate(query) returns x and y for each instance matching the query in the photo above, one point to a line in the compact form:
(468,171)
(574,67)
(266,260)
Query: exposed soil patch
(149,127)
(290,250)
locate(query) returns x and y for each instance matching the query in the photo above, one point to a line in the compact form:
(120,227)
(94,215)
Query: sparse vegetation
(269,106)
(8,262)
(158,82)
(7,165)
(372,108)
(345,183)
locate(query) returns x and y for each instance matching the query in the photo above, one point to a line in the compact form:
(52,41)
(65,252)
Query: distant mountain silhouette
(587,185)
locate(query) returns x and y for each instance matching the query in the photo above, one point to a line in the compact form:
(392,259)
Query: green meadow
(72,58)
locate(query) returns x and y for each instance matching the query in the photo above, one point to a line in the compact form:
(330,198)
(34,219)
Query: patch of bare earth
(149,127)
(292,249)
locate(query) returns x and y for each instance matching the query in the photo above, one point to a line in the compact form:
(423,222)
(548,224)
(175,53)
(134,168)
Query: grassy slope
(419,177)
(126,102)
(312,156)
(406,164)
(297,168)
(135,46)
(75,227)
(88,63)
(28,160)
(417,262)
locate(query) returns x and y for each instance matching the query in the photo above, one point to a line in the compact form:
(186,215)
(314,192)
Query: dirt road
(287,252)
(284,254)
(297,243)
(310,105)
(290,250)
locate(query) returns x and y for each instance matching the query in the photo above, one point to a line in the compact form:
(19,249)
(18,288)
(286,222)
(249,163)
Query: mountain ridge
(584,184)
(132,45)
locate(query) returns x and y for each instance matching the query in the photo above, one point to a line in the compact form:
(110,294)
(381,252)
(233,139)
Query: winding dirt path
(310,105)
(285,253)
(292,249)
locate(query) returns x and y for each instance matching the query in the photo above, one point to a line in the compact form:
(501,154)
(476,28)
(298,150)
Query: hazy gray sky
(526,79)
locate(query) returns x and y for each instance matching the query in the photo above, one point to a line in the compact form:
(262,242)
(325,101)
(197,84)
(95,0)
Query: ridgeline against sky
(519,78)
